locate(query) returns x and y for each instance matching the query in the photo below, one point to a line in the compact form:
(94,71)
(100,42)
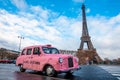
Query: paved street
(11,72)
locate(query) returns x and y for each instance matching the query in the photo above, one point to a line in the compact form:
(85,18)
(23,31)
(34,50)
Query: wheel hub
(49,70)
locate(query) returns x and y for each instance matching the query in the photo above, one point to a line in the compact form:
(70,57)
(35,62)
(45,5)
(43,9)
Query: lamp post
(20,42)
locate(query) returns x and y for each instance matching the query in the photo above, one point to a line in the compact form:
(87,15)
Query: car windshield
(48,50)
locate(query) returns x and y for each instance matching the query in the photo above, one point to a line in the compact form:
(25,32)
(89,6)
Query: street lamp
(20,42)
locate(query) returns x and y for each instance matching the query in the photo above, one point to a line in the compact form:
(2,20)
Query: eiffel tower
(88,55)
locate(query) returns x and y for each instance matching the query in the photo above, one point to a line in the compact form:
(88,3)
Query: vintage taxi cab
(47,59)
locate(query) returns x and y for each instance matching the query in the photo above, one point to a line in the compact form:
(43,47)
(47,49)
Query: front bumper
(70,70)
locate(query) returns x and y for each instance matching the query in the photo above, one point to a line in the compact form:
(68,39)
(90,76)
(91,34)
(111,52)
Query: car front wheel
(49,71)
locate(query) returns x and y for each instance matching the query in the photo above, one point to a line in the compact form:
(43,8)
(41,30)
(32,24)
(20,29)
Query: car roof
(38,46)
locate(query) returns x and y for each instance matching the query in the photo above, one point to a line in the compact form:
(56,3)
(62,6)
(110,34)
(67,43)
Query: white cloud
(42,26)
(88,10)
(37,10)
(20,4)
(105,35)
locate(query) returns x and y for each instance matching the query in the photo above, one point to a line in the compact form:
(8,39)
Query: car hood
(58,55)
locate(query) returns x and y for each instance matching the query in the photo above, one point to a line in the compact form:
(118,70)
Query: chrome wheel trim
(49,70)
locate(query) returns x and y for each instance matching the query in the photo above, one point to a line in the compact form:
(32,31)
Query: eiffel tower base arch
(88,57)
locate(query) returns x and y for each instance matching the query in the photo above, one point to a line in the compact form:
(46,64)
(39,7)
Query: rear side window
(23,52)
(29,51)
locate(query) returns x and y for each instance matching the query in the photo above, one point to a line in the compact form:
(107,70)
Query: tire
(69,73)
(49,71)
(21,68)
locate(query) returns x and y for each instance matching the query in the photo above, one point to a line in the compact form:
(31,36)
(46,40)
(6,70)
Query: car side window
(23,52)
(29,51)
(36,50)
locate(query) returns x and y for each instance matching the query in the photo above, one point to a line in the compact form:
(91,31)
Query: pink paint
(37,57)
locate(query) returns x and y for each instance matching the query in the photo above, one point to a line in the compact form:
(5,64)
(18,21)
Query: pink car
(47,59)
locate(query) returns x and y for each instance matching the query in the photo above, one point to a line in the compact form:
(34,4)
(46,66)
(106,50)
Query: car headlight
(60,60)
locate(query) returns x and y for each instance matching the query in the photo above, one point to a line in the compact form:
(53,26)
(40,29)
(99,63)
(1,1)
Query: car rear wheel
(49,71)
(21,68)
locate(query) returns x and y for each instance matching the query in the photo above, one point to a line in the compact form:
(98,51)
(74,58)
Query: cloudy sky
(58,22)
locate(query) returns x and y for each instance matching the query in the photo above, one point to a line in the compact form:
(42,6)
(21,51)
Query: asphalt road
(11,72)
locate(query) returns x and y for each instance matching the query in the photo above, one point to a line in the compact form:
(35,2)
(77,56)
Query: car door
(27,60)
(36,58)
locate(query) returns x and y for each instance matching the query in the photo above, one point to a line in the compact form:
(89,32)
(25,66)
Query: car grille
(70,62)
